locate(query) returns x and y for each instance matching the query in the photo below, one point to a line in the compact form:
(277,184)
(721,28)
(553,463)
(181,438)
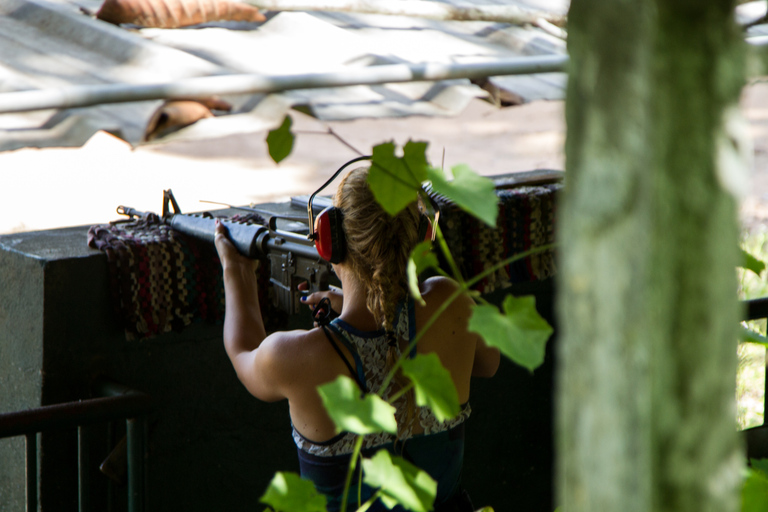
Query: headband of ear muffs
(327,230)
(330,241)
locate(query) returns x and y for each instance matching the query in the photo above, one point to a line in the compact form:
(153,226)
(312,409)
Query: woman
(376,323)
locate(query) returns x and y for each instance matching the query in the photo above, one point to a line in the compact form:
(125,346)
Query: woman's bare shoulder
(437,290)
(439,285)
(293,346)
(296,360)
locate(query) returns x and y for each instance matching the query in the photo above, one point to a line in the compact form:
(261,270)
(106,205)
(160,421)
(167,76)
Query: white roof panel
(47,44)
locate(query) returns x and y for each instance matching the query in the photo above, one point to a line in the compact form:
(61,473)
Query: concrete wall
(21,328)
(211,445)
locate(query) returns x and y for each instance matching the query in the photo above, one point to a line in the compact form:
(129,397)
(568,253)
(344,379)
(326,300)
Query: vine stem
(400,393)
(352,466)
(332,132)
(365,506)
(447,254)
(464,287)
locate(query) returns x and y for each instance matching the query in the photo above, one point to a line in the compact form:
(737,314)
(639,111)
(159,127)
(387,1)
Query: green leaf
(754,493)
(415,160)
(288,492)
(395,181)
(280,141)
(351,413)
(759,465)
(752,263)
(400,481)
(520,333)
(750,336)
(421,259)
(433,385)
(472,192)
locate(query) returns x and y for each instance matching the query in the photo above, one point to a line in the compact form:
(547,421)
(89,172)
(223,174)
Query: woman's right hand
(334,295)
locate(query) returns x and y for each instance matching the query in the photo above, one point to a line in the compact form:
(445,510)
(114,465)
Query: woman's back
(435,446)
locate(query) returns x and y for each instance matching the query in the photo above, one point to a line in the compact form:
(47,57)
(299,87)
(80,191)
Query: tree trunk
(648,246)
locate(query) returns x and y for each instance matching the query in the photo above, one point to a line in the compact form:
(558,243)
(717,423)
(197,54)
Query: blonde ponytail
(378,248)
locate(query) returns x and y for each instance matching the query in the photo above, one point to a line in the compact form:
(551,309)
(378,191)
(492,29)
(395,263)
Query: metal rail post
(135,433)
(31,462)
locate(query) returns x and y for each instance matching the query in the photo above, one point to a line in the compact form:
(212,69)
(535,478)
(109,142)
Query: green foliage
(759,465)
(521,334)
(280,141)
(433,385)
(400,482)
(288,492)
(750,387)
(751,336)
(752,263)
(352,413)
(475,194)
(752,285)
(422,258)
(754,493)
(395,181)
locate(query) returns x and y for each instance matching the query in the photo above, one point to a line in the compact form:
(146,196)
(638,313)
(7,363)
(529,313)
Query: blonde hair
(378,244)
(378,248)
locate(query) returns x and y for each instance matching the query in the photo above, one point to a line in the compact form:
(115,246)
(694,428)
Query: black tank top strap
(352,371)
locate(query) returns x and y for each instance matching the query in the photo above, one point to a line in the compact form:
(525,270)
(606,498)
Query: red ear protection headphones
(327,230)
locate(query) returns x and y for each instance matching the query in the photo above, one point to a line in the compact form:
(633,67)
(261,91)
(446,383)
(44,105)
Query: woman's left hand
(228,252)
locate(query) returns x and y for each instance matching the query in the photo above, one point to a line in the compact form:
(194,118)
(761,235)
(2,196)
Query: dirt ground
(57,187)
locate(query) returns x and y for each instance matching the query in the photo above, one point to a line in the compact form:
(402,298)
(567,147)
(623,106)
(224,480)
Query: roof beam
(201,87)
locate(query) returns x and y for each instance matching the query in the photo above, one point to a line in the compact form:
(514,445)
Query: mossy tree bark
(648,246)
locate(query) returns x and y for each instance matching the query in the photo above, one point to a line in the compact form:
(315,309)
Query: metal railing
(756,438)
(115,402)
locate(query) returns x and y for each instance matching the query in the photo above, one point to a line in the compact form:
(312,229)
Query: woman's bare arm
(487,360)
(255,361)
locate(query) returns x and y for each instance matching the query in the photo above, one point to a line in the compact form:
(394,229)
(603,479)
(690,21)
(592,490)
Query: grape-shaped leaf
(749,262)
(754,493)
(433,385)
(394,180)
(280,141)
(288,492)
(473,193)
(351,413)
(400,481)
(415,160)
(421,259)
(520,333)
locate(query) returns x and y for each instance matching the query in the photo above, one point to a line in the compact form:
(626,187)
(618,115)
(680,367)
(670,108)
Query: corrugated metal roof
(47,44)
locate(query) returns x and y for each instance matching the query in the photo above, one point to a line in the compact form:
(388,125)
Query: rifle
(292,257)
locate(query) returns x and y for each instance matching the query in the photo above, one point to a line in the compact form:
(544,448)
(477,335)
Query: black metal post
(31,445)
(83,467)
(110,484)
(135,433)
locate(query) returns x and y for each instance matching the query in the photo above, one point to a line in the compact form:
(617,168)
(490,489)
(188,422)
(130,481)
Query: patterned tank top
(369,350)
